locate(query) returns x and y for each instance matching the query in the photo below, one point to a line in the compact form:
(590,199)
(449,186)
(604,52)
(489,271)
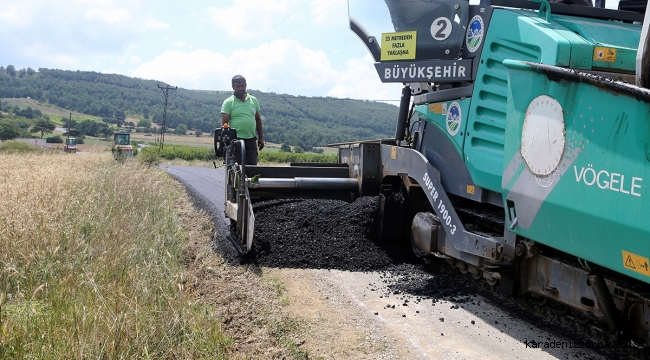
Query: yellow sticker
(393,152)
(398,45)
(636,263)
(604,54)
(470,189)
(435,108)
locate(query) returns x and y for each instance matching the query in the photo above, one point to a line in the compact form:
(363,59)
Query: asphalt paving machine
(70,145)
(122,147)
(521,154)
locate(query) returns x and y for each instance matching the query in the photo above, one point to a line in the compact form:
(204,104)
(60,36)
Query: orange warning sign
(636,263)
(604,54)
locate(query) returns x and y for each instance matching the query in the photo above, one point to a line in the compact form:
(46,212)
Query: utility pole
(165,91)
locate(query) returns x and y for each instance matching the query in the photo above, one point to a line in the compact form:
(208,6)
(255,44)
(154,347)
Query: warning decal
(604,54)
(636,263)
(398,45)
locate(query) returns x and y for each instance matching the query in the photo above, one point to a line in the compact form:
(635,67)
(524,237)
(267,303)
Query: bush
(188,153)
(284,157)
(149,157)
(56,139)
(17,147)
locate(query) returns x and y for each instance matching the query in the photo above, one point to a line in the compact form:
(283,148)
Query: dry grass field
(107,260)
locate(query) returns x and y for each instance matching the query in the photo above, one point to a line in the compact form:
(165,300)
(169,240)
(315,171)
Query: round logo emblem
(543,135)
(454,118)
(547,180)
(474,33)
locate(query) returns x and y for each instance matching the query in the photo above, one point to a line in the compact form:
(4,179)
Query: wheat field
(91,263)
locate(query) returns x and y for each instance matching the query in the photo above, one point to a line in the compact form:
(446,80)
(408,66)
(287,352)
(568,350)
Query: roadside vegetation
(153,155)
(108,260)
(18,147)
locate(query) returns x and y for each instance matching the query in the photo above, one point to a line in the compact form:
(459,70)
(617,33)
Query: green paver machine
(70,145)
(521,154)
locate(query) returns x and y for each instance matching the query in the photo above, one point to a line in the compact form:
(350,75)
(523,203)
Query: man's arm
(258,127)
(225,118)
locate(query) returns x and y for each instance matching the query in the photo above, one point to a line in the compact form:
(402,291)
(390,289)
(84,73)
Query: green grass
(17,147)
(48,109)
(191,153)
(171,152)
(284,157)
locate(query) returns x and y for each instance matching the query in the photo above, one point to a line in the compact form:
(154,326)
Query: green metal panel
(509,36)
(592,205)
(621,37)
(437,114)
(522,35)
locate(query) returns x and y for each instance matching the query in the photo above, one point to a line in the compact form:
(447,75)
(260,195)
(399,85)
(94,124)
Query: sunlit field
(91,262)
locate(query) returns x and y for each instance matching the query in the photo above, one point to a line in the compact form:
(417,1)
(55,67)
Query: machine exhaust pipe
(404,107)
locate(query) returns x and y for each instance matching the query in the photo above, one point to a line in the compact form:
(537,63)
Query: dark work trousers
(251,151)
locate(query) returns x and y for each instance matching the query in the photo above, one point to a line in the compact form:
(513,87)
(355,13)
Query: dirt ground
(270,312)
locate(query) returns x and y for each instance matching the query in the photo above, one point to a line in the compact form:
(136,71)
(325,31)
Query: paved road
(476,329)
(206,186)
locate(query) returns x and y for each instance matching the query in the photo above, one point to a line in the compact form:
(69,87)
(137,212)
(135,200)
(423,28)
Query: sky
(297,47)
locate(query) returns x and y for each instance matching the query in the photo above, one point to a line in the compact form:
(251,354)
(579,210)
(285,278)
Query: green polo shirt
(242,115)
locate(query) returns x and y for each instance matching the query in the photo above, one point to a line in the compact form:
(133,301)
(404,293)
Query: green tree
(198,133)
(106,132)
(11,70)
(120,115)
(144,123)
(181,129)
(8,130)
(43,126)
(285,148)
(298,149)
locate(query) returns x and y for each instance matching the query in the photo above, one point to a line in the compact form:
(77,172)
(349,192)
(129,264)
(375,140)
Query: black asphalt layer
(332,234)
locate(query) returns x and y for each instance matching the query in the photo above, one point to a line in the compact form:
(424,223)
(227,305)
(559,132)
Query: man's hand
(260,144)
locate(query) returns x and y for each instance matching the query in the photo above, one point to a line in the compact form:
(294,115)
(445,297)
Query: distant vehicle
(122,145)
(70,145)
(147,134)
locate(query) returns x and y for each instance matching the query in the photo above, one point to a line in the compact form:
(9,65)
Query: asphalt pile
(318,234)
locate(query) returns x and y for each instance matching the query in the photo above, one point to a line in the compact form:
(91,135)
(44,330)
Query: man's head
(239,85)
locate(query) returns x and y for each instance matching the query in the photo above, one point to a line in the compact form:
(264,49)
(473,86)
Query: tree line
(294,120)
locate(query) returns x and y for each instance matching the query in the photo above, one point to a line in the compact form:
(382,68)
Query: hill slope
(294,120)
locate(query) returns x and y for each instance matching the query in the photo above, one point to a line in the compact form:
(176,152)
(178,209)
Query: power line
(165,91)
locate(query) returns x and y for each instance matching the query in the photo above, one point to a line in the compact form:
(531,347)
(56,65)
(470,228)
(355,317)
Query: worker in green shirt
(241,111)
